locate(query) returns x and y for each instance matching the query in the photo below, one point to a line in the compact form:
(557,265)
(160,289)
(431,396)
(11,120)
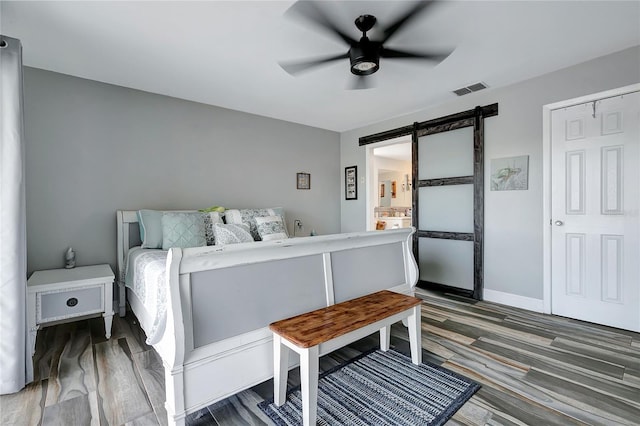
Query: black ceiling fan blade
(310,11)
(390,30)
(297,67)
(394,53)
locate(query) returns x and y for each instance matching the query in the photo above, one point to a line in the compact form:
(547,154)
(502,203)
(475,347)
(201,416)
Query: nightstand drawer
(62,304)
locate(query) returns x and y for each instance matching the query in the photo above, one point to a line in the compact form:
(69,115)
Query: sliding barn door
(448,209)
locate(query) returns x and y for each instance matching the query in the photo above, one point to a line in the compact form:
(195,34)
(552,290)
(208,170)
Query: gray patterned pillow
(209,219)
(182,229)
(270,228)
(248,216)
(231,233)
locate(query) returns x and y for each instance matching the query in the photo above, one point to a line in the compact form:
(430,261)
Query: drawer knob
(72,301)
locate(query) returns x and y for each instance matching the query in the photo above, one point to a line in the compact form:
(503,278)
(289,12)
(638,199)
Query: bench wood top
(319,326)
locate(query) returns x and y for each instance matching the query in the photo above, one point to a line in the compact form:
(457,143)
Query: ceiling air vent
(471,88)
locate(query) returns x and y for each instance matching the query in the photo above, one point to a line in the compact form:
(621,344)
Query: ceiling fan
(364,54)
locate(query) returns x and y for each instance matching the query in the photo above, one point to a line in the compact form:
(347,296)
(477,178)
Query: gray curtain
(13,246)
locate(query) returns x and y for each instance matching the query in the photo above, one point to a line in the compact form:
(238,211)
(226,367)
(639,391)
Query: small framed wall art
(511,173)
(303,180)
(351,183)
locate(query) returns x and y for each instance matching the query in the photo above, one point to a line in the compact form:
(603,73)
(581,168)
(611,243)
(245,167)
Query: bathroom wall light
(406,186)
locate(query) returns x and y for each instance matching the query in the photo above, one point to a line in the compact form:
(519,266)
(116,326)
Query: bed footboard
(222,300)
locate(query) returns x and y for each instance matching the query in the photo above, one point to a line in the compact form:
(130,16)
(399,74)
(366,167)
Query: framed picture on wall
(511,173)
(303,180)
(351,183)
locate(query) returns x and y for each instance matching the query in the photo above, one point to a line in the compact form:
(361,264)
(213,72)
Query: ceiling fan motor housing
(365,57)
(365,22)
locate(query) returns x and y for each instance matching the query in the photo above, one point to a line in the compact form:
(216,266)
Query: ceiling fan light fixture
(364,66)
(364,61)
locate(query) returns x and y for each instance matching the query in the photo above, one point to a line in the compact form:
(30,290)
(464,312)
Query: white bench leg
(309,380)
(385,338)
(415,335)
(280,370)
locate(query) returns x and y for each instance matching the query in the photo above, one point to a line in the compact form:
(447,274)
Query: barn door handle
(558,223)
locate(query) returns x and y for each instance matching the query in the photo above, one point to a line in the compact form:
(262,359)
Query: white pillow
(231,233)
(270,228)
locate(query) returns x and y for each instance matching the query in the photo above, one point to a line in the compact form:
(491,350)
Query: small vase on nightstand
(70,258)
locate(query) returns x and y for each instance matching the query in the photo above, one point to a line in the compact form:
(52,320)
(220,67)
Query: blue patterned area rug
(380,388)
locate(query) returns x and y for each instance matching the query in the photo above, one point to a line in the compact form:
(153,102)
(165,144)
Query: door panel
(448,262)
(446,208)
(446,154)
(595,202)
(576,172)
(612,179)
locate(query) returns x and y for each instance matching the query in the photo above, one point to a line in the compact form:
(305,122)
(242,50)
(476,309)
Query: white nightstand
(62,295)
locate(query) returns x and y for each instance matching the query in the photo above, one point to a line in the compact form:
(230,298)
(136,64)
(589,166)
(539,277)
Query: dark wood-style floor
(534,369)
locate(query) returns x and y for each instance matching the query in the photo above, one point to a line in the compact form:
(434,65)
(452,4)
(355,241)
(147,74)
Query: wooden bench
(319,332)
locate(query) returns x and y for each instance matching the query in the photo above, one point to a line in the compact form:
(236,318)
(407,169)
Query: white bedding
(146,277)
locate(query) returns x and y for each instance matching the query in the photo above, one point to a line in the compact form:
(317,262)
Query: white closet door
(595,204)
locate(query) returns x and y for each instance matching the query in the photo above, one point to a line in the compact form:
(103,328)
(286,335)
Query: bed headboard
(125,220)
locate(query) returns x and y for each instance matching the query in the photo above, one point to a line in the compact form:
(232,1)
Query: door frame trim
(546,177)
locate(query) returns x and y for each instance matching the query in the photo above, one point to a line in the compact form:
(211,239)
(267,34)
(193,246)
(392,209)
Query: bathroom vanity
(395,222)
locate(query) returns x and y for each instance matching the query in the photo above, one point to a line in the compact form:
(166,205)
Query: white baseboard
(528,303)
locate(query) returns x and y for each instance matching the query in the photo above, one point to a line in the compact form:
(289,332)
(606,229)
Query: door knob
(558,223)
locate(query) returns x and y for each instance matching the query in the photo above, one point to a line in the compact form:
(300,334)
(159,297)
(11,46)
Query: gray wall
(513,219)
(93,148)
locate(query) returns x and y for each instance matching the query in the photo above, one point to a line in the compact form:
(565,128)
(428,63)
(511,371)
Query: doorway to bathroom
(389,175)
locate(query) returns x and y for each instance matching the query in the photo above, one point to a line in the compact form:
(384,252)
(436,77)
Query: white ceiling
(227,53)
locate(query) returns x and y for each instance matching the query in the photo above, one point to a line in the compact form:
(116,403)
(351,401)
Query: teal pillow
(150,223)
(183,229)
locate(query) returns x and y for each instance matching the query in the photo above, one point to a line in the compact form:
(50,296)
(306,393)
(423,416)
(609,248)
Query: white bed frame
(216,341)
